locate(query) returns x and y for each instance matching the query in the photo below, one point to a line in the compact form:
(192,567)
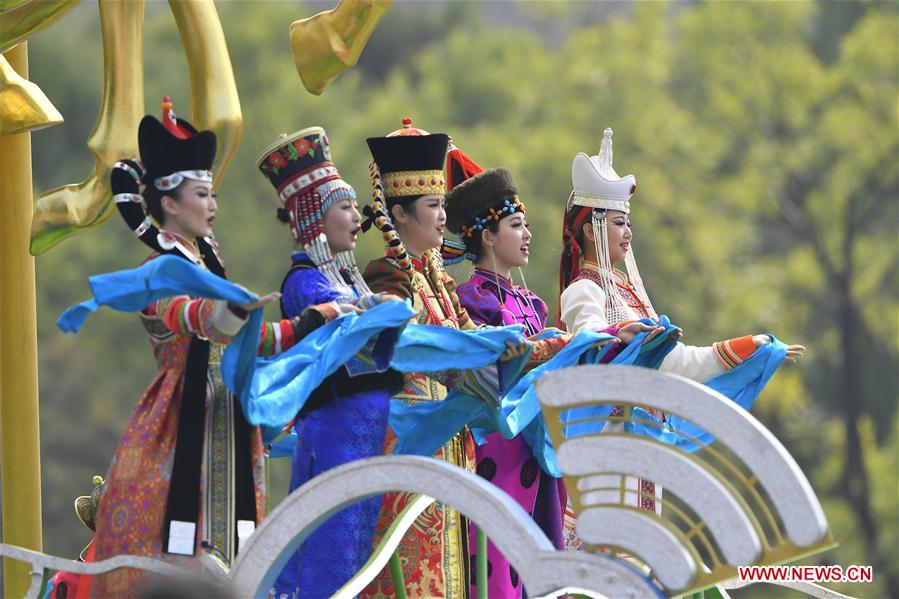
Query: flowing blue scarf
(283,383)
(273,390)
(424,428)
(168,276)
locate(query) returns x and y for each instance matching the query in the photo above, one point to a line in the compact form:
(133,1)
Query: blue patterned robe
(345,419)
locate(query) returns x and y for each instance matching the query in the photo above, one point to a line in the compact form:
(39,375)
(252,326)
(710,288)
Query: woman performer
(188,473)
(594,294)
(484,209)
(408,171)
(345,418)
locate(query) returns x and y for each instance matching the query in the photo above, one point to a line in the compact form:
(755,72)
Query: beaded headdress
(300,169)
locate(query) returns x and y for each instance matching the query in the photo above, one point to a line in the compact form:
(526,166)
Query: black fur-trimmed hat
(485,197)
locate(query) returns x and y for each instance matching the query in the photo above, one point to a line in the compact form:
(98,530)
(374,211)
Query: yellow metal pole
(19,424)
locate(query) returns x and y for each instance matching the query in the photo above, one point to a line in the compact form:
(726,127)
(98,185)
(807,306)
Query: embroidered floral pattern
(298,148)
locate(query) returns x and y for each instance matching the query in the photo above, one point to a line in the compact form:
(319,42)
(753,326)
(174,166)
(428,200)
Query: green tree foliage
(763,137)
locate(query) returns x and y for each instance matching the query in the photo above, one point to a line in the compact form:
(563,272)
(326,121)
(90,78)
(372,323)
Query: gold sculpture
(323,46)
(63,211)
(329,43)
(23,106)
(20,18)
(214,105)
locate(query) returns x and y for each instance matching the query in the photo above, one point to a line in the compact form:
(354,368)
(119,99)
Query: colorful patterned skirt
(434,552)
(131,515)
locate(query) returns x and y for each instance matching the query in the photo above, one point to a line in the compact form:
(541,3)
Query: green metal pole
(396,572)
(481,568)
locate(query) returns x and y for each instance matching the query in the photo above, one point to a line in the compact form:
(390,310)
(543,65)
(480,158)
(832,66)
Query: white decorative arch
(41,561)
(632,531)
(708,482)
(708,497)
(777,472)
(542,569)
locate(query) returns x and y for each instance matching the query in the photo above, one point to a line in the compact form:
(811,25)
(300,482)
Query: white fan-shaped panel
(777,472)
(642,535)
(712,501)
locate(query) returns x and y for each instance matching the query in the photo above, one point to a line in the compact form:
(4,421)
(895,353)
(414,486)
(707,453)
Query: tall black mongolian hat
(410,162)
(485,197)
(171,150)
(174,146)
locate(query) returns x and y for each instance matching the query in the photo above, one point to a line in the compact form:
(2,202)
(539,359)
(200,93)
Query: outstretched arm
(185,316)
(276,337)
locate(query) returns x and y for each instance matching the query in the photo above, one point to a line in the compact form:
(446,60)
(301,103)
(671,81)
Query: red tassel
(459,168)
(170,122)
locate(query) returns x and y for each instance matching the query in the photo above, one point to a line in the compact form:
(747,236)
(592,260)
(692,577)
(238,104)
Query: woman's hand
(627,333)
(262,301)
(675,335)
(794,352)
(515,350)
(349,309)
(370,300)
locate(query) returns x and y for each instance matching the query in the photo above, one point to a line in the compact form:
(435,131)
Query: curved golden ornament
(21,18)
(329,43)
(63,211)
(214,103)
(23,106)
(6,5)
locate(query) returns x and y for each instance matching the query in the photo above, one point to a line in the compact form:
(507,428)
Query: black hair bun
(283,215)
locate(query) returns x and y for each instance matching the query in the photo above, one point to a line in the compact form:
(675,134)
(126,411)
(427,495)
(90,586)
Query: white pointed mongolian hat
(595,182)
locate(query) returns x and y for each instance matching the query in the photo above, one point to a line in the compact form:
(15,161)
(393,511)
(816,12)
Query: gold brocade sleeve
(546,349)
(383,276)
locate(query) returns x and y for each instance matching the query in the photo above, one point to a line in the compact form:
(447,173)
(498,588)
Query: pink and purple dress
(494,300)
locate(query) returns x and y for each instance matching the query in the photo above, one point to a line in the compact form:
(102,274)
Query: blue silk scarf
(283,383)
(423,428)
(168,276)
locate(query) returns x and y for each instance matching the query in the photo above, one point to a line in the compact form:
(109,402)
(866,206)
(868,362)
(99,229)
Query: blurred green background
(763,136)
